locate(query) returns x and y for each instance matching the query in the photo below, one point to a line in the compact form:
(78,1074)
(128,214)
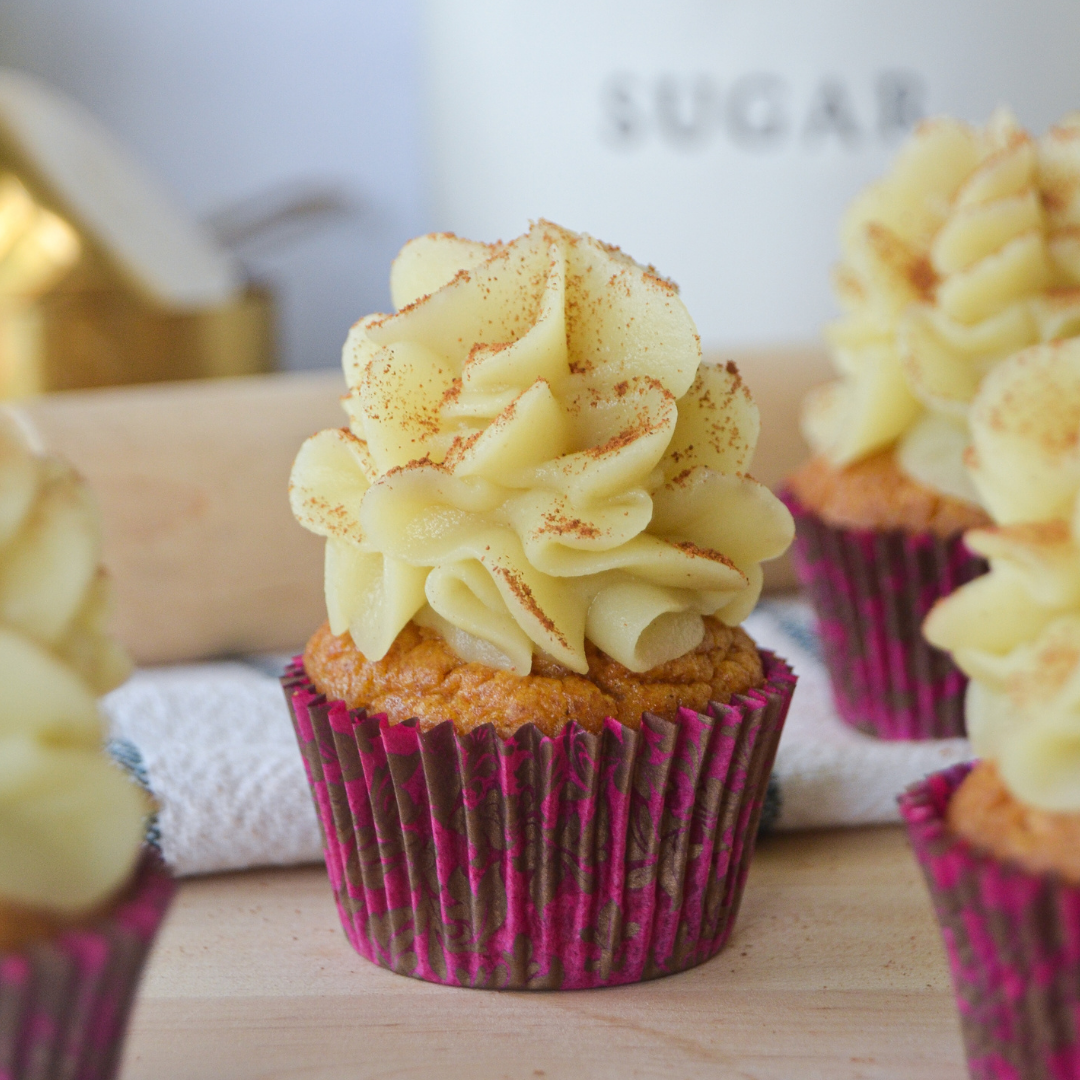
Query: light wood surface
(835,971)
(192,478)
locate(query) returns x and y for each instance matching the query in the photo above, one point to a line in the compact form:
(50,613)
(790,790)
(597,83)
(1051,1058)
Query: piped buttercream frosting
(535,454)
(1016,630)
(71,822)
(964,254)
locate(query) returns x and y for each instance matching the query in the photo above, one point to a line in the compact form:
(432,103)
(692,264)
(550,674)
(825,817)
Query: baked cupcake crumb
(19,926)
(875,493)
(422,677)
(985,814)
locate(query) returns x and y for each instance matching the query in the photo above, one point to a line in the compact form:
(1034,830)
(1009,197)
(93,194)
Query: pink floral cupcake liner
(64,1002)
(1013,940)
(871,591)
(531,862)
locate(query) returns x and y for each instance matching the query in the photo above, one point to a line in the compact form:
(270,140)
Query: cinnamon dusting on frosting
(518,452)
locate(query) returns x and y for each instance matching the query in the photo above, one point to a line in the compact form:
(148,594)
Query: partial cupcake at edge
(966,252)
(999,841)
(80,899)
(537,737)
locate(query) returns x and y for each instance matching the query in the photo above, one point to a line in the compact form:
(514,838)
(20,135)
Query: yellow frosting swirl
(1016,630)
(71,823)
(535,455)
(968,251)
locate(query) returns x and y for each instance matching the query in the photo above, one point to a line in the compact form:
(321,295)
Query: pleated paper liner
(871,592)
(1013,940)
(576,861)
(65,1001)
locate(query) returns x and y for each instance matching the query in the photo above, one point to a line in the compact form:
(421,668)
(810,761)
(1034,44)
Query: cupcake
(964,254)
(79,903)
(537,737)
(999,842)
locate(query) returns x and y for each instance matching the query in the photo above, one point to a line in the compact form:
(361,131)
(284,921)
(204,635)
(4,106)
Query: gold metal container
(86,333)
(74,314)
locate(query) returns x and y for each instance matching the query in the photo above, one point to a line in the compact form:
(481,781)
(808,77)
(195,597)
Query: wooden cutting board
(191,478)
(835,971)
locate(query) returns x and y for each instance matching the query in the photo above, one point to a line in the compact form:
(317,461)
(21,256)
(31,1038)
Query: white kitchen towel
(214,744)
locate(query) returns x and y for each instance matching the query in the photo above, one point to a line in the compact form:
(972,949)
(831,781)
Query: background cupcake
(541,539)
(1000,844)
(964,254)
(78,910)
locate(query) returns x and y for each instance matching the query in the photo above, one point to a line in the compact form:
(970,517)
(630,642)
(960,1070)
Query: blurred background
(283,152)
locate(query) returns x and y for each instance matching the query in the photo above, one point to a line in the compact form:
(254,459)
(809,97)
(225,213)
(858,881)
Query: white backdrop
(717,139)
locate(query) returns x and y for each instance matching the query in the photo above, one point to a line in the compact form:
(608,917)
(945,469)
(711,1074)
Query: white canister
(717,139)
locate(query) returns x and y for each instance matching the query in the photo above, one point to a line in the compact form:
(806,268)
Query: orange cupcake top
(421,677)
(875,493)
(986,813)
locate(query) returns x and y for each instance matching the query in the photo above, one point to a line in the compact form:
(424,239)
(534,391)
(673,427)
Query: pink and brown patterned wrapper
(531,862)
(1013,940)
(65,1001)
(871,592)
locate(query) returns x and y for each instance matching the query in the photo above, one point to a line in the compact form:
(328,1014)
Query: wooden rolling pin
(191,479)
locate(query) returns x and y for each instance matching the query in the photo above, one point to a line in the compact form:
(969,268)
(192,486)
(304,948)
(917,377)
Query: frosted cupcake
(1000,842)
(964,254)
(537,737)
(78,904)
